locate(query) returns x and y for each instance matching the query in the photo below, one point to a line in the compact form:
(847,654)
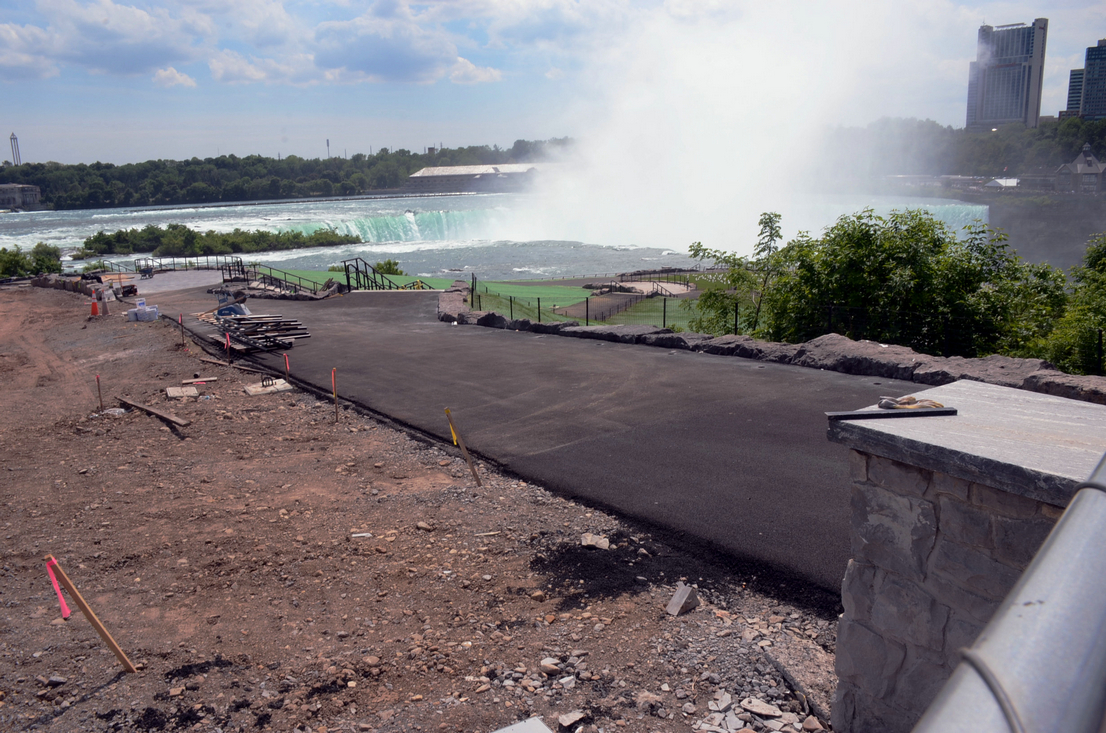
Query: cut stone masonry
(936,546)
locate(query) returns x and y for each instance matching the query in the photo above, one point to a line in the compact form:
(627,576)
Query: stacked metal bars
(259,332)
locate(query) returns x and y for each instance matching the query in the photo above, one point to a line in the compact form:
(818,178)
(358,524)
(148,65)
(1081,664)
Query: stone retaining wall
(933,556)
(947,511)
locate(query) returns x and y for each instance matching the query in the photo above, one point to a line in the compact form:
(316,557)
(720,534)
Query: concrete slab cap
(533,725)
(1030,444)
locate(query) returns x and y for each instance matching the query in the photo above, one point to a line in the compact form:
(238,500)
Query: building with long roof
(472,178)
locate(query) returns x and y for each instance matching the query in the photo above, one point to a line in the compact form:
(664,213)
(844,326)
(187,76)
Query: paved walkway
(728,450)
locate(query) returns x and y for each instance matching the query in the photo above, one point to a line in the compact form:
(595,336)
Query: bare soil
(221,556)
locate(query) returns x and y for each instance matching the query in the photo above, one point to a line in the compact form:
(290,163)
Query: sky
(119,82)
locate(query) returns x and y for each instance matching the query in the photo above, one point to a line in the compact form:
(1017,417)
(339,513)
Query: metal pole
(664,312)
(587,317)
(512,306)
(539,310)
(735,310)
(1100,365)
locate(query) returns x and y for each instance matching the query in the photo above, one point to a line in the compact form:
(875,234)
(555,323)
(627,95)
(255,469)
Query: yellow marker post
(457,441)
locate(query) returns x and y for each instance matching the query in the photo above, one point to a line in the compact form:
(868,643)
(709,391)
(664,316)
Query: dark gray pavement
(729,451)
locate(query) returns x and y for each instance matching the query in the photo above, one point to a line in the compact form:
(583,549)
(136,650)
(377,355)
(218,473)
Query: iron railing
(1040,664)
(202,262)
(360,275)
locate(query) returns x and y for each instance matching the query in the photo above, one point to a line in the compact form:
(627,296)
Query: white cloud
(23,53)
(466,72)
(230,67)
(170,77)
(388,43)
(554,74)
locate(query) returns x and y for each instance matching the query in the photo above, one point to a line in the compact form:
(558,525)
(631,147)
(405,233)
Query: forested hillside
(252,178)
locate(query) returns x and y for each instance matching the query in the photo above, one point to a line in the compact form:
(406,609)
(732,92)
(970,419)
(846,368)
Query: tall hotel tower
(1004,82)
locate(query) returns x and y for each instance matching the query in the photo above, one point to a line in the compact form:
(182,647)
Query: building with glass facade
(1005,80)
(1093,106)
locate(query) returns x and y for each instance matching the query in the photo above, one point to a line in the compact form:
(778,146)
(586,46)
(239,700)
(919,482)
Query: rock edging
(832,352)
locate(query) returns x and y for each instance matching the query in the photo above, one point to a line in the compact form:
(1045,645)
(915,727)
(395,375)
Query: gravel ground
(223,557)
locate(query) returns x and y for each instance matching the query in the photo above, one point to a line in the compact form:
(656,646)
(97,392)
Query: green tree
(388,267)
(1073,345)
(907,279)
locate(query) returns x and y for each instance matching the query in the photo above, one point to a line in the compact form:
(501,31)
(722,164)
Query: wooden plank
(878,414)
(156,413)
(90,615)
(236,366)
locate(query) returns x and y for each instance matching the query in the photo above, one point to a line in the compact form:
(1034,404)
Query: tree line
(178,240)
(895,146)
(229,178)
(908,279)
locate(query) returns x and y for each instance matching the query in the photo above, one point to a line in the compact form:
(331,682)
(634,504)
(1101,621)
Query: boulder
(1005,371)
(451,303)
(687,340)
(1074,387)
(471,318)
(492,319)
(623,334)
(519,324)
(838,353)
(553,327)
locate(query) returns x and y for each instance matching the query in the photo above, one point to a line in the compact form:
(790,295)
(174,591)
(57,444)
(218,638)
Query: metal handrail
(209,262)
(360,275)
(1040,663)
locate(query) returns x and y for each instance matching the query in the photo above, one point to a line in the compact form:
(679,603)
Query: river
(434,236)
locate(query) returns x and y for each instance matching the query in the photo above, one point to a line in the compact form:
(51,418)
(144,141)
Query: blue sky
(139,79)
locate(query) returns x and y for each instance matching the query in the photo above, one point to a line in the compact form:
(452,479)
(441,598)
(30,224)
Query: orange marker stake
(286,368)
(460,443)
(334,386)
(88,614)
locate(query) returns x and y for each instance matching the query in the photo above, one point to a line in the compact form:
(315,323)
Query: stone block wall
(933,556)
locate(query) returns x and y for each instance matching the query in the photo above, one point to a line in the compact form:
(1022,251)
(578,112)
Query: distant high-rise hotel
(1087,86)
(1005,80)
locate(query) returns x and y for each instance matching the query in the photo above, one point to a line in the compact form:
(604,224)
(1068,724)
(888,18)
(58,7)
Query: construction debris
(267,386)
(683,600)
(258,332)
(180,392)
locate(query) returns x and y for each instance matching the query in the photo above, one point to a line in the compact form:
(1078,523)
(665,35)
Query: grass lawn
(560,295)
(652,311)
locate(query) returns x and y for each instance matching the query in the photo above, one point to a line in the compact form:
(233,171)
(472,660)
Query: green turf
(559,295)
(652,311)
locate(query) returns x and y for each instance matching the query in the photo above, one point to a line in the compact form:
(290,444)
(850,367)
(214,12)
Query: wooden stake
(461,444)
(156,413)
(99,393)
(87,611)
(180,320)
(334,386)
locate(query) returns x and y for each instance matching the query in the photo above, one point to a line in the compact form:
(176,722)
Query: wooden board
(179,392)
(167,416)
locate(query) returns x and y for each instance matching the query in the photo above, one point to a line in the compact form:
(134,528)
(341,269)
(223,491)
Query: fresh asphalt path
(727,450)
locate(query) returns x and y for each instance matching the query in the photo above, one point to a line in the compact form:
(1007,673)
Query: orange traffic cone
(95,309)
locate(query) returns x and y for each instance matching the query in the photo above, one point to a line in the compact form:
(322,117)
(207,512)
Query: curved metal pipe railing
(1040,664)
